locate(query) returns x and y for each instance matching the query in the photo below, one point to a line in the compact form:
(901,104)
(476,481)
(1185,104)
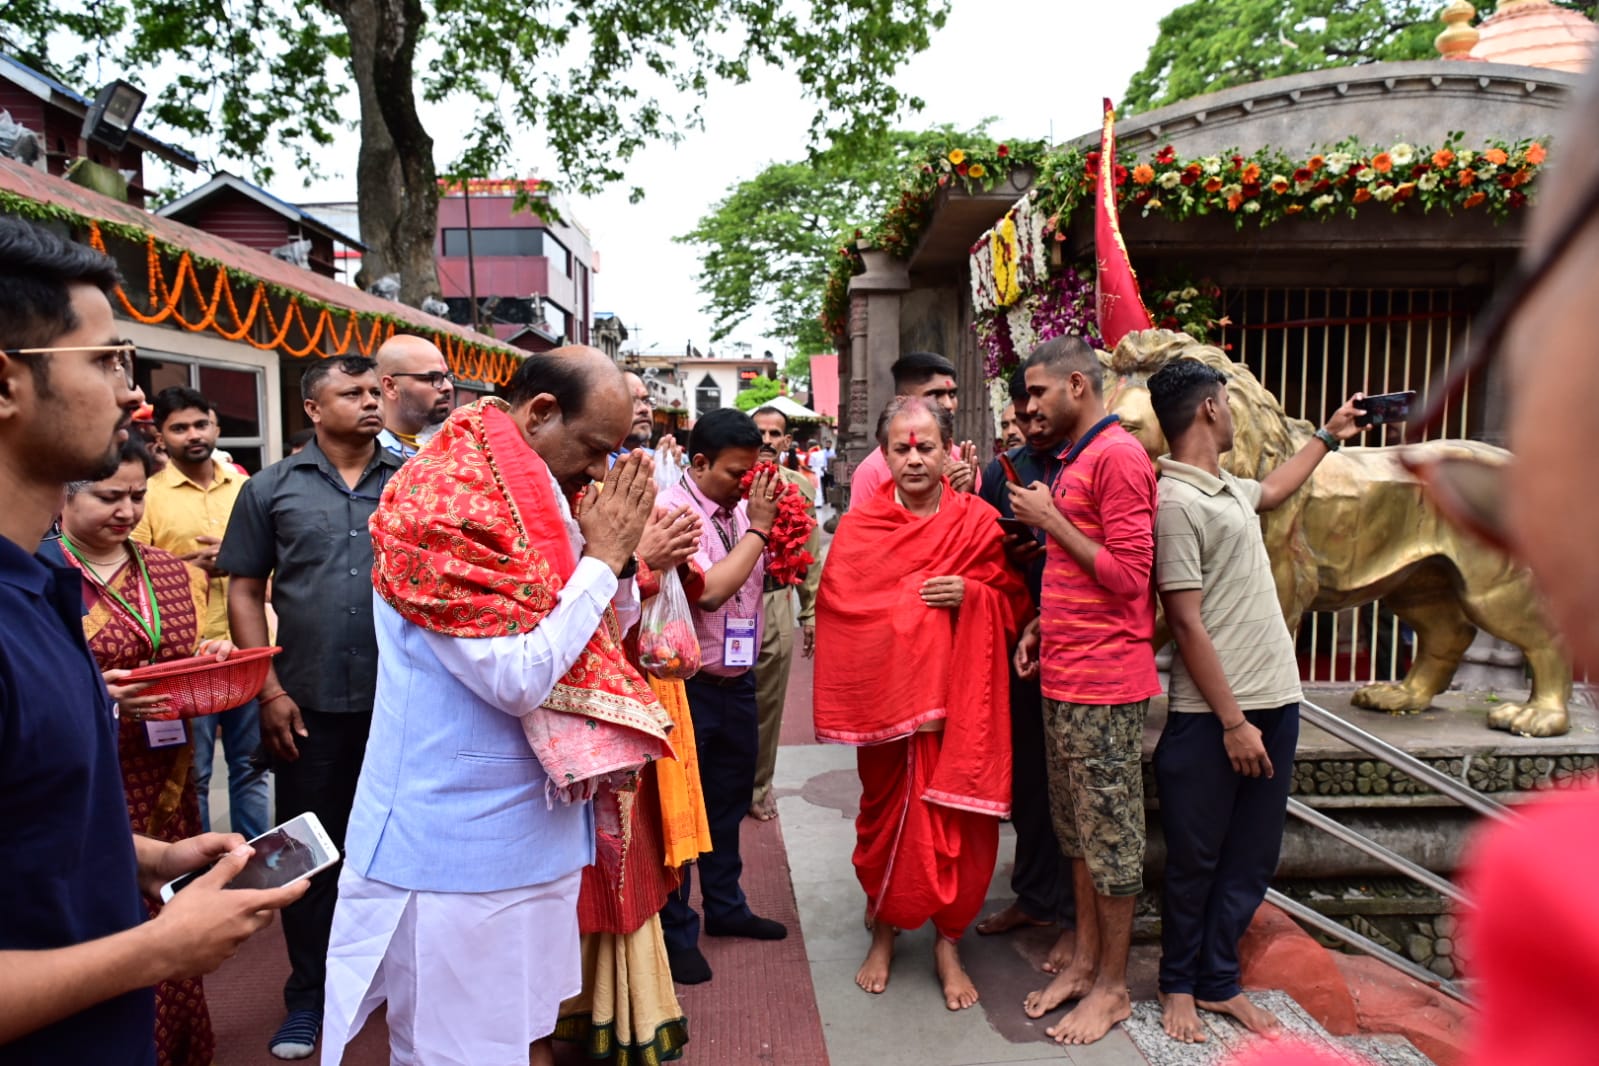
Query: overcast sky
(1039,66)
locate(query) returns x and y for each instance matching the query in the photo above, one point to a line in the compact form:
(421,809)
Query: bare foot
(1061,955)
(873,975)
(1180,1019)
(959,992)
(1012,917)
(764,810)
(1092,1018)
(1257,1020)
(1071,984)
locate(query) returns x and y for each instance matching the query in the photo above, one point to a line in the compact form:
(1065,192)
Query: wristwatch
(1332,442)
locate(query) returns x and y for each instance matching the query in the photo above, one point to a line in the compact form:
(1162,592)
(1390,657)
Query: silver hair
(75,487)
(902,405)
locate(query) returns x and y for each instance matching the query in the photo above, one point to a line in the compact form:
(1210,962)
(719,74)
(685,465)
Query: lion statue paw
(1390,696)
(1530,719)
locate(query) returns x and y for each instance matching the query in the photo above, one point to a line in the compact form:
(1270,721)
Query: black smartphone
(1016,526)
(1386,409)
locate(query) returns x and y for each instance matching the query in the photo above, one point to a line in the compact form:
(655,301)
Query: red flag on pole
(1119,307)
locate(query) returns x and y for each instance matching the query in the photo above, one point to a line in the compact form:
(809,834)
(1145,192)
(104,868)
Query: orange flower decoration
(1496,156)
(1280,186)
(1382,162)
(976,170)
(1213,185)
(1234,201)
(1467,176)
(956,157)
(1442,158)
(1536,153)
(1293,209)
(1143,174)
(1362,194)
(1314,163)
(1474,199)
(1250,175)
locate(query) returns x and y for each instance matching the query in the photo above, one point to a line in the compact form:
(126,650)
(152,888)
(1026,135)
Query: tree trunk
(396,183)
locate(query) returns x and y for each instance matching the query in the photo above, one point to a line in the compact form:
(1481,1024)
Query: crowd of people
(462,696)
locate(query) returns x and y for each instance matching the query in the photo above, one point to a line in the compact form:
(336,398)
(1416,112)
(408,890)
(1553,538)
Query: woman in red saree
(143,605)
(917,611)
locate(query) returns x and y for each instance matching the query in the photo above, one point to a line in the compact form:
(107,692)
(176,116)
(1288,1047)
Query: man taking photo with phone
(77,958)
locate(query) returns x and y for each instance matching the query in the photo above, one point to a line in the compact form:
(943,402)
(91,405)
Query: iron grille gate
(1312,347)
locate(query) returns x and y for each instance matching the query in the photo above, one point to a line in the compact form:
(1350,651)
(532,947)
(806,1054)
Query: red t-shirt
(1097,626)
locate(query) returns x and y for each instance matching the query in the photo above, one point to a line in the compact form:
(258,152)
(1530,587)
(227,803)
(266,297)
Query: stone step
(1227,1037)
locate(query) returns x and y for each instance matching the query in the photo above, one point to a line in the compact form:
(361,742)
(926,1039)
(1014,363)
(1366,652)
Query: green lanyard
(152,628)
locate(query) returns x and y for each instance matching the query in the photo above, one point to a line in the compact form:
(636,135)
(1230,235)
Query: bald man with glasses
(418,392)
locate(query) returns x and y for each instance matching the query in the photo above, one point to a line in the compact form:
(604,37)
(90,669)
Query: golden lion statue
(1361,529)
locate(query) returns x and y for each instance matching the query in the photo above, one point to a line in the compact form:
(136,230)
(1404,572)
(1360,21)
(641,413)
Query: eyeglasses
(437,378)
(1468,490)
(119,356)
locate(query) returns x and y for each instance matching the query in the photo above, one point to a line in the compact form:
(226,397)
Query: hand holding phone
(1389,408)
(203,928)
(282,856)
(1010,469)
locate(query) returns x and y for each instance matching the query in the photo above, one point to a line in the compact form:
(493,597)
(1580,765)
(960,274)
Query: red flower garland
(786,558)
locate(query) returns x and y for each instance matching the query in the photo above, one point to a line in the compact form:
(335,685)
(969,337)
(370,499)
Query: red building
(231,207)
(525,272)
(54,114)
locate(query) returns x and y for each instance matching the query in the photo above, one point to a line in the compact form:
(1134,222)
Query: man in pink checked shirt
(931,376)
(726,600)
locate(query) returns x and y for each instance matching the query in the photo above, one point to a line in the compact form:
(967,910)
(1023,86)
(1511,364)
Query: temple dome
(1537,33)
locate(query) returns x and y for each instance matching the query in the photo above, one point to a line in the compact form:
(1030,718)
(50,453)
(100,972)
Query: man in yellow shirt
(186,513)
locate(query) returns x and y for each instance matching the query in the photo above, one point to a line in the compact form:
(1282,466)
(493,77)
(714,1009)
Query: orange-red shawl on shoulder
(470,540)
(886,663)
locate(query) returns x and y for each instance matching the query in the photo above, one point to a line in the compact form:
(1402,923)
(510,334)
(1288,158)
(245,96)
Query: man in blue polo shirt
(77,959)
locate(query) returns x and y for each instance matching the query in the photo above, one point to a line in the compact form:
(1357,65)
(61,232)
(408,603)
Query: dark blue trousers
(727,740)
(1041,876)
(1224,833)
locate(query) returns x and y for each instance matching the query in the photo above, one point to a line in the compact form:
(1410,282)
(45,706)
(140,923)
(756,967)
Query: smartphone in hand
(297,849)
(1388,408)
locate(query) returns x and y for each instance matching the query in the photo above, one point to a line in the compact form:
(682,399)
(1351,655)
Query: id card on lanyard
(165,734)
(738,642)
(738,631)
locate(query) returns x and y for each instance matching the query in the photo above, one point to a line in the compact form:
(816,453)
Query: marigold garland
(1261,189)
(468,360)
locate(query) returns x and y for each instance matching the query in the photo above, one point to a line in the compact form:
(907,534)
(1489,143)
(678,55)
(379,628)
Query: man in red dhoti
(917,610)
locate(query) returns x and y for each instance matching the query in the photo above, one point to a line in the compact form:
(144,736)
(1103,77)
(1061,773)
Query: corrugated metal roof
(240,260)
(223,180)
(21,74)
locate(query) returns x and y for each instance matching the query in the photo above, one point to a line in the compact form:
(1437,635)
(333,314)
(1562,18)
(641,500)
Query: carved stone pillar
(874,345)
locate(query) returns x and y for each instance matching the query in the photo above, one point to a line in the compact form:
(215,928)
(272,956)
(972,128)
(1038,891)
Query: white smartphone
(293,851)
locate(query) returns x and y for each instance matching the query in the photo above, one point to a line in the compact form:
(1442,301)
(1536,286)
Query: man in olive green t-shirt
(1234,694)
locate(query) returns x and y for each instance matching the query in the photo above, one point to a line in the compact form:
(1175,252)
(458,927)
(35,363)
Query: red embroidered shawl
(470,540)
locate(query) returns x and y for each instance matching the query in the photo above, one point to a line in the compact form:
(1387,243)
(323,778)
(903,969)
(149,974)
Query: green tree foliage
(797,371)
(765,246)
(1207,45)
(761,390)
(593,80)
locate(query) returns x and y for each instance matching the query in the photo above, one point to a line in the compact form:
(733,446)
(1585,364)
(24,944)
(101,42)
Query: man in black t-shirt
(77,959)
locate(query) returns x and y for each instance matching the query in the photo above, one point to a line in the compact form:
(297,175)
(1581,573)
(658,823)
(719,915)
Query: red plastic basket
(201,685)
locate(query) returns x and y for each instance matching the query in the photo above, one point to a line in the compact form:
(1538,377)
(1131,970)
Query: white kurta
(471,978)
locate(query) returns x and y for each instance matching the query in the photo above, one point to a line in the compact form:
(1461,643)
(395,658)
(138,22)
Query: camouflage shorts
(1096,789)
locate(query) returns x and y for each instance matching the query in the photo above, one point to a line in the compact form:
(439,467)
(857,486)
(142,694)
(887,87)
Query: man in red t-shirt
(1091,646)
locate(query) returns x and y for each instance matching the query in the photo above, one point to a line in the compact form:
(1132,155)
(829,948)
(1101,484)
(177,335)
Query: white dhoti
(471,978)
